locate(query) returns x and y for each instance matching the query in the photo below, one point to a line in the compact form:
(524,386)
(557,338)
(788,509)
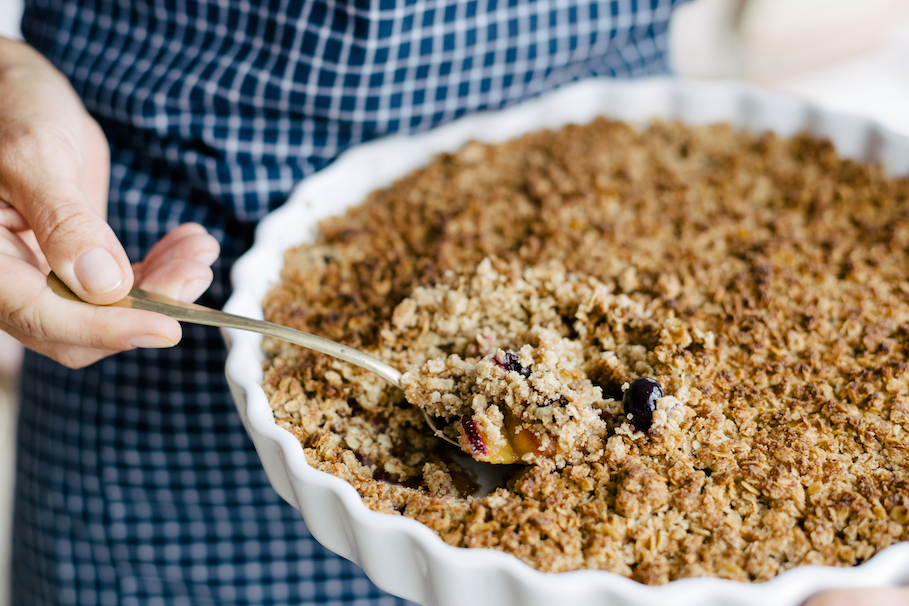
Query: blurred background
(845,55)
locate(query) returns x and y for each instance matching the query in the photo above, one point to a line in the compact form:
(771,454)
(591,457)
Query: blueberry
(639,402)
(510,363)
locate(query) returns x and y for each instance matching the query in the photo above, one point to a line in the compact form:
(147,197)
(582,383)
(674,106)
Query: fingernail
(150,342)
(98,271)
(192,290)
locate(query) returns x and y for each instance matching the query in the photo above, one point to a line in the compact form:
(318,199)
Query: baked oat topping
(763,282)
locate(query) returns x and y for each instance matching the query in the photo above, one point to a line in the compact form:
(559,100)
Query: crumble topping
(763,282)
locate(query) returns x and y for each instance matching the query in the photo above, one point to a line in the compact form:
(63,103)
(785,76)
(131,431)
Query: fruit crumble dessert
(535,406)
(690,341)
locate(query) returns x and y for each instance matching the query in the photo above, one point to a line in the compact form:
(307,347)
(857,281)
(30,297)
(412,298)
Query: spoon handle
(198,314)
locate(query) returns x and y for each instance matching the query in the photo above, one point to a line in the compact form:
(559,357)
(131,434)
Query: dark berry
(639,402)
(510,363)
(606,415)
(477,443)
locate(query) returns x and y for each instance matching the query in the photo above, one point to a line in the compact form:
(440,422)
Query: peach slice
(517,441)
(481,448)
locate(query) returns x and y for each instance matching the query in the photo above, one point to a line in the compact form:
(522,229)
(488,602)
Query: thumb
(48,185)
(79,245)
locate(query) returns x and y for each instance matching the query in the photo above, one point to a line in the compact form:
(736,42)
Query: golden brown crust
(764,282)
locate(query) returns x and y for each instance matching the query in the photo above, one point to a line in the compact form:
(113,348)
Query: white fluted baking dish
(401,555)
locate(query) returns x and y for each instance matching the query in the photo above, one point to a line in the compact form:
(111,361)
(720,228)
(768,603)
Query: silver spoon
(199,314)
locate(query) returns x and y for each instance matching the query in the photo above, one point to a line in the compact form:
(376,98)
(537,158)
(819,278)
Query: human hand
(54,173)
(888,596)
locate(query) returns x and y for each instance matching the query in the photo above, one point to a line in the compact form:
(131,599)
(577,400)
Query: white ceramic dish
(401,555)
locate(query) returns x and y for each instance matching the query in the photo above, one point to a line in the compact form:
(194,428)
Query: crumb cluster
(764,282)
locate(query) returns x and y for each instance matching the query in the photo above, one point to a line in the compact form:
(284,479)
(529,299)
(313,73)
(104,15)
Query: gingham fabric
(136,481)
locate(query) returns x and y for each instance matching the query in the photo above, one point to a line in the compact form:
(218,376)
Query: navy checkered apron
(136,481)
